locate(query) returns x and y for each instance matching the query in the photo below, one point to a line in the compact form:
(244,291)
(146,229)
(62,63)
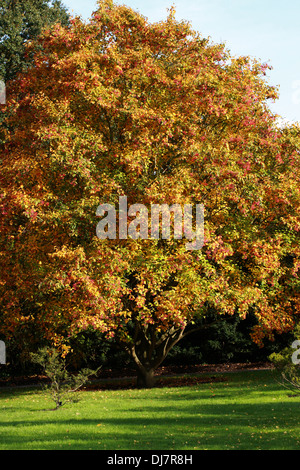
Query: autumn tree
(155,112)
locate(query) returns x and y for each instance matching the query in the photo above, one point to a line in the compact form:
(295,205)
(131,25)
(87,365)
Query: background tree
(20,22)
(120,106)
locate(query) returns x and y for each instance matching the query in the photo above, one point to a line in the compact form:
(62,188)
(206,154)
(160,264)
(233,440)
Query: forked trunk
(148,351)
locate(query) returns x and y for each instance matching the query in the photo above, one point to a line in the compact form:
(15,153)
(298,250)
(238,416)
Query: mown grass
(249,411)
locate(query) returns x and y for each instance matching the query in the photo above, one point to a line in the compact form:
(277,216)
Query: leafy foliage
(20,22)
(120,106)
(289,370)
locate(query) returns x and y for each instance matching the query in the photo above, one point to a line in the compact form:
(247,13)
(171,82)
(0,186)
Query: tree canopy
(117,107)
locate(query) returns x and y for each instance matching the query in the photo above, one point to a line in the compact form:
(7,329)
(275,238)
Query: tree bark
(145,378)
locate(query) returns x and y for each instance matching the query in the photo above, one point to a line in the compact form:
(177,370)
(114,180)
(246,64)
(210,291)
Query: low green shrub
(287,364)
(63,384)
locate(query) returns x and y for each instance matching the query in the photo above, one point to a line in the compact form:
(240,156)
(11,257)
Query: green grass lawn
(249,411)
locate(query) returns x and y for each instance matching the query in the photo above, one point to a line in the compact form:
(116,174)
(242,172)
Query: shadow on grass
(170,422)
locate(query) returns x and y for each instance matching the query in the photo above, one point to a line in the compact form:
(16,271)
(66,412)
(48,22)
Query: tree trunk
(145,378)
(148,352)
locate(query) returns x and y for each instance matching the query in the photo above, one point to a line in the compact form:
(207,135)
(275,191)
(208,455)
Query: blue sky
(268,30)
